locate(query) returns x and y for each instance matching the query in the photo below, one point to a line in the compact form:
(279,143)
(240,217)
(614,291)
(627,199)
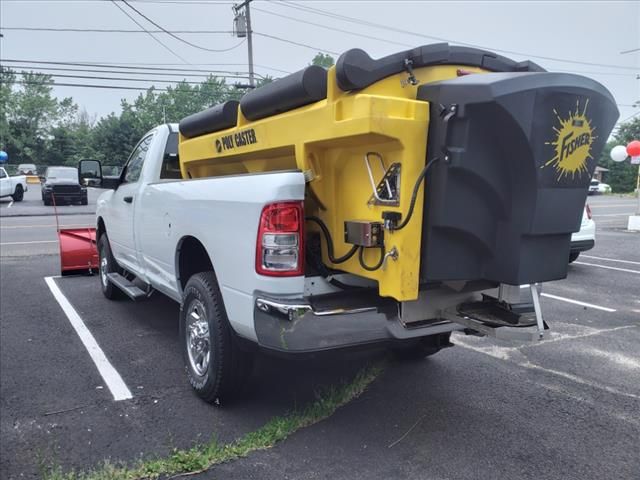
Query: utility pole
(242,29)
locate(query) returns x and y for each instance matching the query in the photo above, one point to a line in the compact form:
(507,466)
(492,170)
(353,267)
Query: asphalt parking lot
(563,408)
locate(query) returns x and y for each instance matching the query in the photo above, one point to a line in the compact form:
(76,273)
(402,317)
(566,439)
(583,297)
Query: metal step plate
(128,288)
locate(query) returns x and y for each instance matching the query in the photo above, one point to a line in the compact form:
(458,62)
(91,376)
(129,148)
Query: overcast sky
(581,37)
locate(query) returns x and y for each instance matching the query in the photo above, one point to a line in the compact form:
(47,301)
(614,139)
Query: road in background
(32,204)
(612,211)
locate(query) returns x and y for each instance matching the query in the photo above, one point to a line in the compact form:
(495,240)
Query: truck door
(121,228)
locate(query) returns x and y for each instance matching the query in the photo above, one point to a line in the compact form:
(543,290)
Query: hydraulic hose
(329,240)
(367,267)
(414,194)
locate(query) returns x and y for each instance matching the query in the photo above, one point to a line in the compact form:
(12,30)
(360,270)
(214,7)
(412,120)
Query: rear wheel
(107,265)
(216,367)
(84,201)
(18,195)
(573,256)
(417,349)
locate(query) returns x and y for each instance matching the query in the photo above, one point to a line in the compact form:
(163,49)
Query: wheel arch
(100,228)
(191,258)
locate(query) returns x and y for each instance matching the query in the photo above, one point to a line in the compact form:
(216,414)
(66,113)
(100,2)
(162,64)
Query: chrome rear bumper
(302,325)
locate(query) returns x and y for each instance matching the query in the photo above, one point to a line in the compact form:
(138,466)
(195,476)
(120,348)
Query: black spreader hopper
(514,154)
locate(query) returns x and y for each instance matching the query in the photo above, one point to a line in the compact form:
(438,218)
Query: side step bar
(128,288)
(496,319)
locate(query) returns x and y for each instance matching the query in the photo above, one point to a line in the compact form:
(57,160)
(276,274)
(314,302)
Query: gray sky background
(590,32)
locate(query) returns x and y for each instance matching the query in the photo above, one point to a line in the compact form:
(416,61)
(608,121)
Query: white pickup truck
(13,187)
(278,222)
(197,240)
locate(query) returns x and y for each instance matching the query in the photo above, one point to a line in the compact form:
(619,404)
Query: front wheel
(18,195)
(107,265)
(573,256)
(215,365)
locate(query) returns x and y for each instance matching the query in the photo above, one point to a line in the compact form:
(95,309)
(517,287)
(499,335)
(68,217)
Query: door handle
(128,199)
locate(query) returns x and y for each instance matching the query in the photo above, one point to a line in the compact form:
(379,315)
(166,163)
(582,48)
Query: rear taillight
(588,210)
(280,244)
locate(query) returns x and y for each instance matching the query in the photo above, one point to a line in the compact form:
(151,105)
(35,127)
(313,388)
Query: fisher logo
(572,144)
(240,139)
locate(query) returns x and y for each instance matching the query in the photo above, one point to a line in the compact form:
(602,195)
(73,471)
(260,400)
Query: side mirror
(42,178)
(89,170)
(90,174)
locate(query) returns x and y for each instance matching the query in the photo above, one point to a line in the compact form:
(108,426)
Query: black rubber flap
(219,117)
(521,149)
(355,69)
(293,91)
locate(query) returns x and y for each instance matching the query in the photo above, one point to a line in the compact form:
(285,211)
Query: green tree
(621,176)
(30,113)
(323,60)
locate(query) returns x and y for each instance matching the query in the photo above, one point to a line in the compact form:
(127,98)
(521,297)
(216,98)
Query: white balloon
(619,153)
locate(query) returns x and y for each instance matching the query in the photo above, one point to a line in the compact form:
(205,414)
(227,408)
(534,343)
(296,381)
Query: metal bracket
(526,331)
(391,254)
(387,191)
(535,295)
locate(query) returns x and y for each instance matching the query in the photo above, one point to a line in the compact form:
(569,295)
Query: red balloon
(633,149)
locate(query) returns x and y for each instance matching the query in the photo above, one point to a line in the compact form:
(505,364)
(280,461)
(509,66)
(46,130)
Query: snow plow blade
(78,252)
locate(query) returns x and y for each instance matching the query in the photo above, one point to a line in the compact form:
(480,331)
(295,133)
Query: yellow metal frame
(329,139)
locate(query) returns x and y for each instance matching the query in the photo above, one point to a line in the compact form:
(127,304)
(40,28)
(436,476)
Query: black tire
(573,256)
(18,194)
(417,349)
(228,367)
(109,290)
(47,202)
(84,201)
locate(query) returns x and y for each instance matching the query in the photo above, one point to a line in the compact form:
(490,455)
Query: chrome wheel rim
(104,264)
(197,338)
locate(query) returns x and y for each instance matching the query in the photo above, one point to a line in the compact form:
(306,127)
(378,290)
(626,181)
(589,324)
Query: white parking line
(27,243)
(576,302)
(73,225)
(10,204)
(607,267)
(109,374)
(596,215)
(609,259)
(613,205)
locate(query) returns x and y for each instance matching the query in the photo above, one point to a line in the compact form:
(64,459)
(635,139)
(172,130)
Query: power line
(149,33)
(173,35)
(317,49)
(105,87)
(179,2)
(143,65)
(102,65)
(159,80)
(327,27)
(326,13)
(81,85)
(110,30)
(215,73)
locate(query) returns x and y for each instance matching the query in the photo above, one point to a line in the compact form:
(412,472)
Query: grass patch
(201,457)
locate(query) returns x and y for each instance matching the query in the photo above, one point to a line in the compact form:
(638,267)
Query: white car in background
(13,187)
(597,187)
(585,239)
